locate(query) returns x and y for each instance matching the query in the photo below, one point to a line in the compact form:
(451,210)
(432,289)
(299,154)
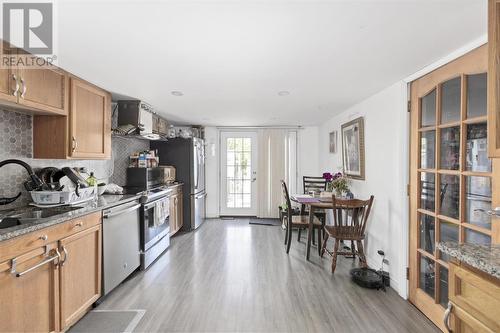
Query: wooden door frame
(476,62)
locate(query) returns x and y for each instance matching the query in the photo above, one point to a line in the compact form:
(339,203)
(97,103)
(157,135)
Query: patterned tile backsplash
(16,135)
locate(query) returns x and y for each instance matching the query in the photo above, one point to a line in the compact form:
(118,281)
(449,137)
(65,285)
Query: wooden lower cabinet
(474,300)
(176,216)
(49,287)
(80,274)
(30,302)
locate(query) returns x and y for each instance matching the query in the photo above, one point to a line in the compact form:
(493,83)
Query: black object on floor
(108,321)
(271,222)
(367,278)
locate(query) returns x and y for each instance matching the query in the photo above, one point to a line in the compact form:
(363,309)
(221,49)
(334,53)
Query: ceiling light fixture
(283,93)
(177,93)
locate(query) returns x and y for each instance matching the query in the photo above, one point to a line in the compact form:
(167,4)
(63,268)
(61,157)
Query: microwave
(148,178)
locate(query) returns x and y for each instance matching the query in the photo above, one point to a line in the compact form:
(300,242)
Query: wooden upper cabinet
(84,134)
(30,302)
(44,90)
(8,79)
(90,121)
(38,89)
(80,273)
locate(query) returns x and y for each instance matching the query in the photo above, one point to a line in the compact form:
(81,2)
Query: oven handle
(151,204)
(135,207)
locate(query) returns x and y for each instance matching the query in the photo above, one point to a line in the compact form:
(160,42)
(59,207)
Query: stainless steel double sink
(24,215)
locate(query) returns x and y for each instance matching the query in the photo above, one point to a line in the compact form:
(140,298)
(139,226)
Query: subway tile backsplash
(16,135)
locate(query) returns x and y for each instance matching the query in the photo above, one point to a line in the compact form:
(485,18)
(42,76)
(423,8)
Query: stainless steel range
(154,215)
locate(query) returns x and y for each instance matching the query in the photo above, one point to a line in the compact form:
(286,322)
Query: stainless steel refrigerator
(188,158)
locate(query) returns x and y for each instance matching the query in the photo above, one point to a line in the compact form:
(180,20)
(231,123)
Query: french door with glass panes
(238,173)
(450,174)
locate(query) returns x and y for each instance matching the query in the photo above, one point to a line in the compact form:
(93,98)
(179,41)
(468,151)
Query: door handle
(65,255)
(446,318)
(492,212)
(75,144)
(16,90)
(23,93)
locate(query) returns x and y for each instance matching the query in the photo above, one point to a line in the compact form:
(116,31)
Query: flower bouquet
(337,182)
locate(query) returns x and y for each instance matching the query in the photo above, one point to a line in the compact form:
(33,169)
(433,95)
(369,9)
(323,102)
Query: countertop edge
(474,260)
(64,217)
(89,208)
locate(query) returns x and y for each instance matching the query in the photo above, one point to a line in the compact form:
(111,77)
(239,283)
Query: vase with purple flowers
(337,183)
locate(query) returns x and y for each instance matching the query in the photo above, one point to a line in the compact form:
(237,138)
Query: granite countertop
(103,202)
(485,258)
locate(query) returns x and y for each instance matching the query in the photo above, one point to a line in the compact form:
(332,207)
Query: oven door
(154,222)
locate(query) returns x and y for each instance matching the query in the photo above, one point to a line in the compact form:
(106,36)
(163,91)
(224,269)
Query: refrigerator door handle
(195,165)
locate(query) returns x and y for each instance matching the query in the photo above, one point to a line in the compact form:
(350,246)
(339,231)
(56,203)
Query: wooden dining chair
(349,223)
(299,222)
(316,184)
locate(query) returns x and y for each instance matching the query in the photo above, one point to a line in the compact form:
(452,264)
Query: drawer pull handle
(40,264)
(79,224)
(65,255)
(43,237)
(446,317)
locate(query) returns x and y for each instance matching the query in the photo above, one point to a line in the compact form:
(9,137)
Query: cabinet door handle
(43,237)
(24,88)
(79,224)
(16,90)
(446,318)
(75,144)
(65,255)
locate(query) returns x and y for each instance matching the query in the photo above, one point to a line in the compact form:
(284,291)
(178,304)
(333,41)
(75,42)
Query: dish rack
(63,198)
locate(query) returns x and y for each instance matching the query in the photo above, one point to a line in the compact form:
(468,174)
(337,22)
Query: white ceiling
(231,58)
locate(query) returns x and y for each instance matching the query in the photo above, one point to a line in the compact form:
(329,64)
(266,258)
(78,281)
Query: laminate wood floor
(229,276)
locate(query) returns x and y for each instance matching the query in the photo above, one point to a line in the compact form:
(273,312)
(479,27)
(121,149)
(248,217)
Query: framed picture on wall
(333,142)
(353,148)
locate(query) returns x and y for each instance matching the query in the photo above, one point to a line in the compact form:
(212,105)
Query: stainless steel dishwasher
(121,247)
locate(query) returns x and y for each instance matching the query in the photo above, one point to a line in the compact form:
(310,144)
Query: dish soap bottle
(92,180)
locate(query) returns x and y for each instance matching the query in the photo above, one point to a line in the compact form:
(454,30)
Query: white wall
(307,163)
(386,151)
(308,155)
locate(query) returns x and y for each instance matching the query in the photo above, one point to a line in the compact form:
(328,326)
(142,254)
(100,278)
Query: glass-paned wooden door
(238,173)
(450,172)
